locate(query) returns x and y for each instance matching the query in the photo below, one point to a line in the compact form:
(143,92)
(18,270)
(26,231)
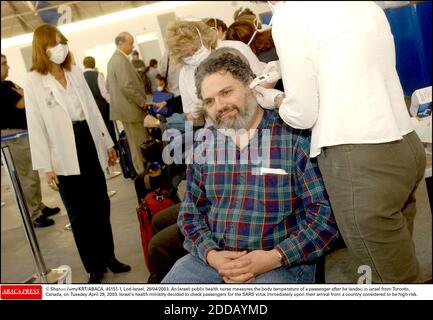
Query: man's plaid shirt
(230,206)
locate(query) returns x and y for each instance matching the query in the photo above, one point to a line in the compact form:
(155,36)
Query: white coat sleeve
(300,107)
(102,87)
(255,64)
(187,91)
(38,135)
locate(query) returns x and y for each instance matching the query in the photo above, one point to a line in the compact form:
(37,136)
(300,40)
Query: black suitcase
(126,164)
(148,182)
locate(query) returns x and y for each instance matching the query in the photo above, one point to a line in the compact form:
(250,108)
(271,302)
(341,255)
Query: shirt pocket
(274,194)
(50,101)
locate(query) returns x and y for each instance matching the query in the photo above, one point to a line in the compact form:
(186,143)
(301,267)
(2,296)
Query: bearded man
(250,221)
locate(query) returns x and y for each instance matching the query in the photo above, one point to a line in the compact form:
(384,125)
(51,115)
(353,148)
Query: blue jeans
(190,269)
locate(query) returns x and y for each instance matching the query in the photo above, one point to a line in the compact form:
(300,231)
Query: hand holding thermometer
(269,77)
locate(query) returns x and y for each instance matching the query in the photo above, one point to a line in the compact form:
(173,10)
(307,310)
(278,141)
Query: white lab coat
(338,67)
(51,135)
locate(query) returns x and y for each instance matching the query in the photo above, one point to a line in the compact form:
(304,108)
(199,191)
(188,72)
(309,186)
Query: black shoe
(50,211)
(42,222)
(95,277)
(116,267)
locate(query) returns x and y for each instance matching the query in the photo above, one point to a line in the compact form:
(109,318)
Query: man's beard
(240,120)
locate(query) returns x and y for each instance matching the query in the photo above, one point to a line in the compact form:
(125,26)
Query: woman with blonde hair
(70,143)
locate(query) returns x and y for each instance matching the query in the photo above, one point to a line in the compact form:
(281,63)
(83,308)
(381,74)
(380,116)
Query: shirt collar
(126,56)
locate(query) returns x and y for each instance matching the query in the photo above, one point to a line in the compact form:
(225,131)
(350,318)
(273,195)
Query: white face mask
(59,53)
(159,88)
(199,55)
(255,31)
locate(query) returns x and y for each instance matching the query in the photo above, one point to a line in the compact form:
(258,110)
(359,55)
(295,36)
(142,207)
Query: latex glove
(273,67)
(266,97)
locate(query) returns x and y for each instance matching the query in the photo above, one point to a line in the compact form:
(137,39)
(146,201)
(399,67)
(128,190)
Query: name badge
(262,171)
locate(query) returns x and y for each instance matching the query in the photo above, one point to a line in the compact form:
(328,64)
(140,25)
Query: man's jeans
(190,269)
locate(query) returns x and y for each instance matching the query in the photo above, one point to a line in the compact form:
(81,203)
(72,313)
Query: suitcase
(125,157)
(151,205)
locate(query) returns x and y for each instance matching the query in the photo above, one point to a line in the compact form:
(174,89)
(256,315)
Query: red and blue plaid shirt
(230,206)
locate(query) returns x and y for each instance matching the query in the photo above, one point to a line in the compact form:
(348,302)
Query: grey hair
(223,59)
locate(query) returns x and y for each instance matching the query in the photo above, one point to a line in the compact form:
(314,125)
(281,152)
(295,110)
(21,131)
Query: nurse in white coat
(70,143)
(338,65)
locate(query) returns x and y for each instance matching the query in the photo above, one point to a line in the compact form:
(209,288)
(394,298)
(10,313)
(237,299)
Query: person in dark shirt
(14,122)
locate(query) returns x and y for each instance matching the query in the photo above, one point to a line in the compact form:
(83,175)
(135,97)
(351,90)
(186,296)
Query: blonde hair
(44,36)
(181,34)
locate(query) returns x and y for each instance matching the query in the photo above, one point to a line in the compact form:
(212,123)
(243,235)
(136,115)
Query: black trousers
(166,245)
(87,203)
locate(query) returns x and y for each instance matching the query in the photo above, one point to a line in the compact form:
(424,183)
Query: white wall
(104,35)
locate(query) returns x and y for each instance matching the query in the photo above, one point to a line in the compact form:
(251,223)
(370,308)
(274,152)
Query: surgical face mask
(198,56)
(159,88)
(59,53)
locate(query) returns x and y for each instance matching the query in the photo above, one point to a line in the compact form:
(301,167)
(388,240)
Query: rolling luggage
(151,205)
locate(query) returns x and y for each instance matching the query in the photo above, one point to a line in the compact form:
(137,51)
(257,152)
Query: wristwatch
(281,257)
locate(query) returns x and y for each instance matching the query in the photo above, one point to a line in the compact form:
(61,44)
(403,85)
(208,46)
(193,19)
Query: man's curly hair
(223,60)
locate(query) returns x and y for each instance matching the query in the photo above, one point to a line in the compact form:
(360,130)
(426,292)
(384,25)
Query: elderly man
(246,219)
(127,97)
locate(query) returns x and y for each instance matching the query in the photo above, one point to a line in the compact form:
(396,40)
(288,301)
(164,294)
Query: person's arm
(192,219)
(91,104)
(256,65)
(13,96)
(319,230)
(126,84)
(38,135)
(163,65)
(102,87)
(300,107)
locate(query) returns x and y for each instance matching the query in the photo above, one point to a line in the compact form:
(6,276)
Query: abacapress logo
(21,292)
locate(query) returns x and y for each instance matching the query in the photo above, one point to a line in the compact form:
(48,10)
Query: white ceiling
(20,17)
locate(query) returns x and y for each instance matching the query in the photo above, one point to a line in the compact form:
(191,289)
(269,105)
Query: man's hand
(221,260)
(112,157)
(52,180)
(161,105)
(253,263)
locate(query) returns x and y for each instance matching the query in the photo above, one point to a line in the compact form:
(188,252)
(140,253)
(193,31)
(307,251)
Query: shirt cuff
(205,247)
